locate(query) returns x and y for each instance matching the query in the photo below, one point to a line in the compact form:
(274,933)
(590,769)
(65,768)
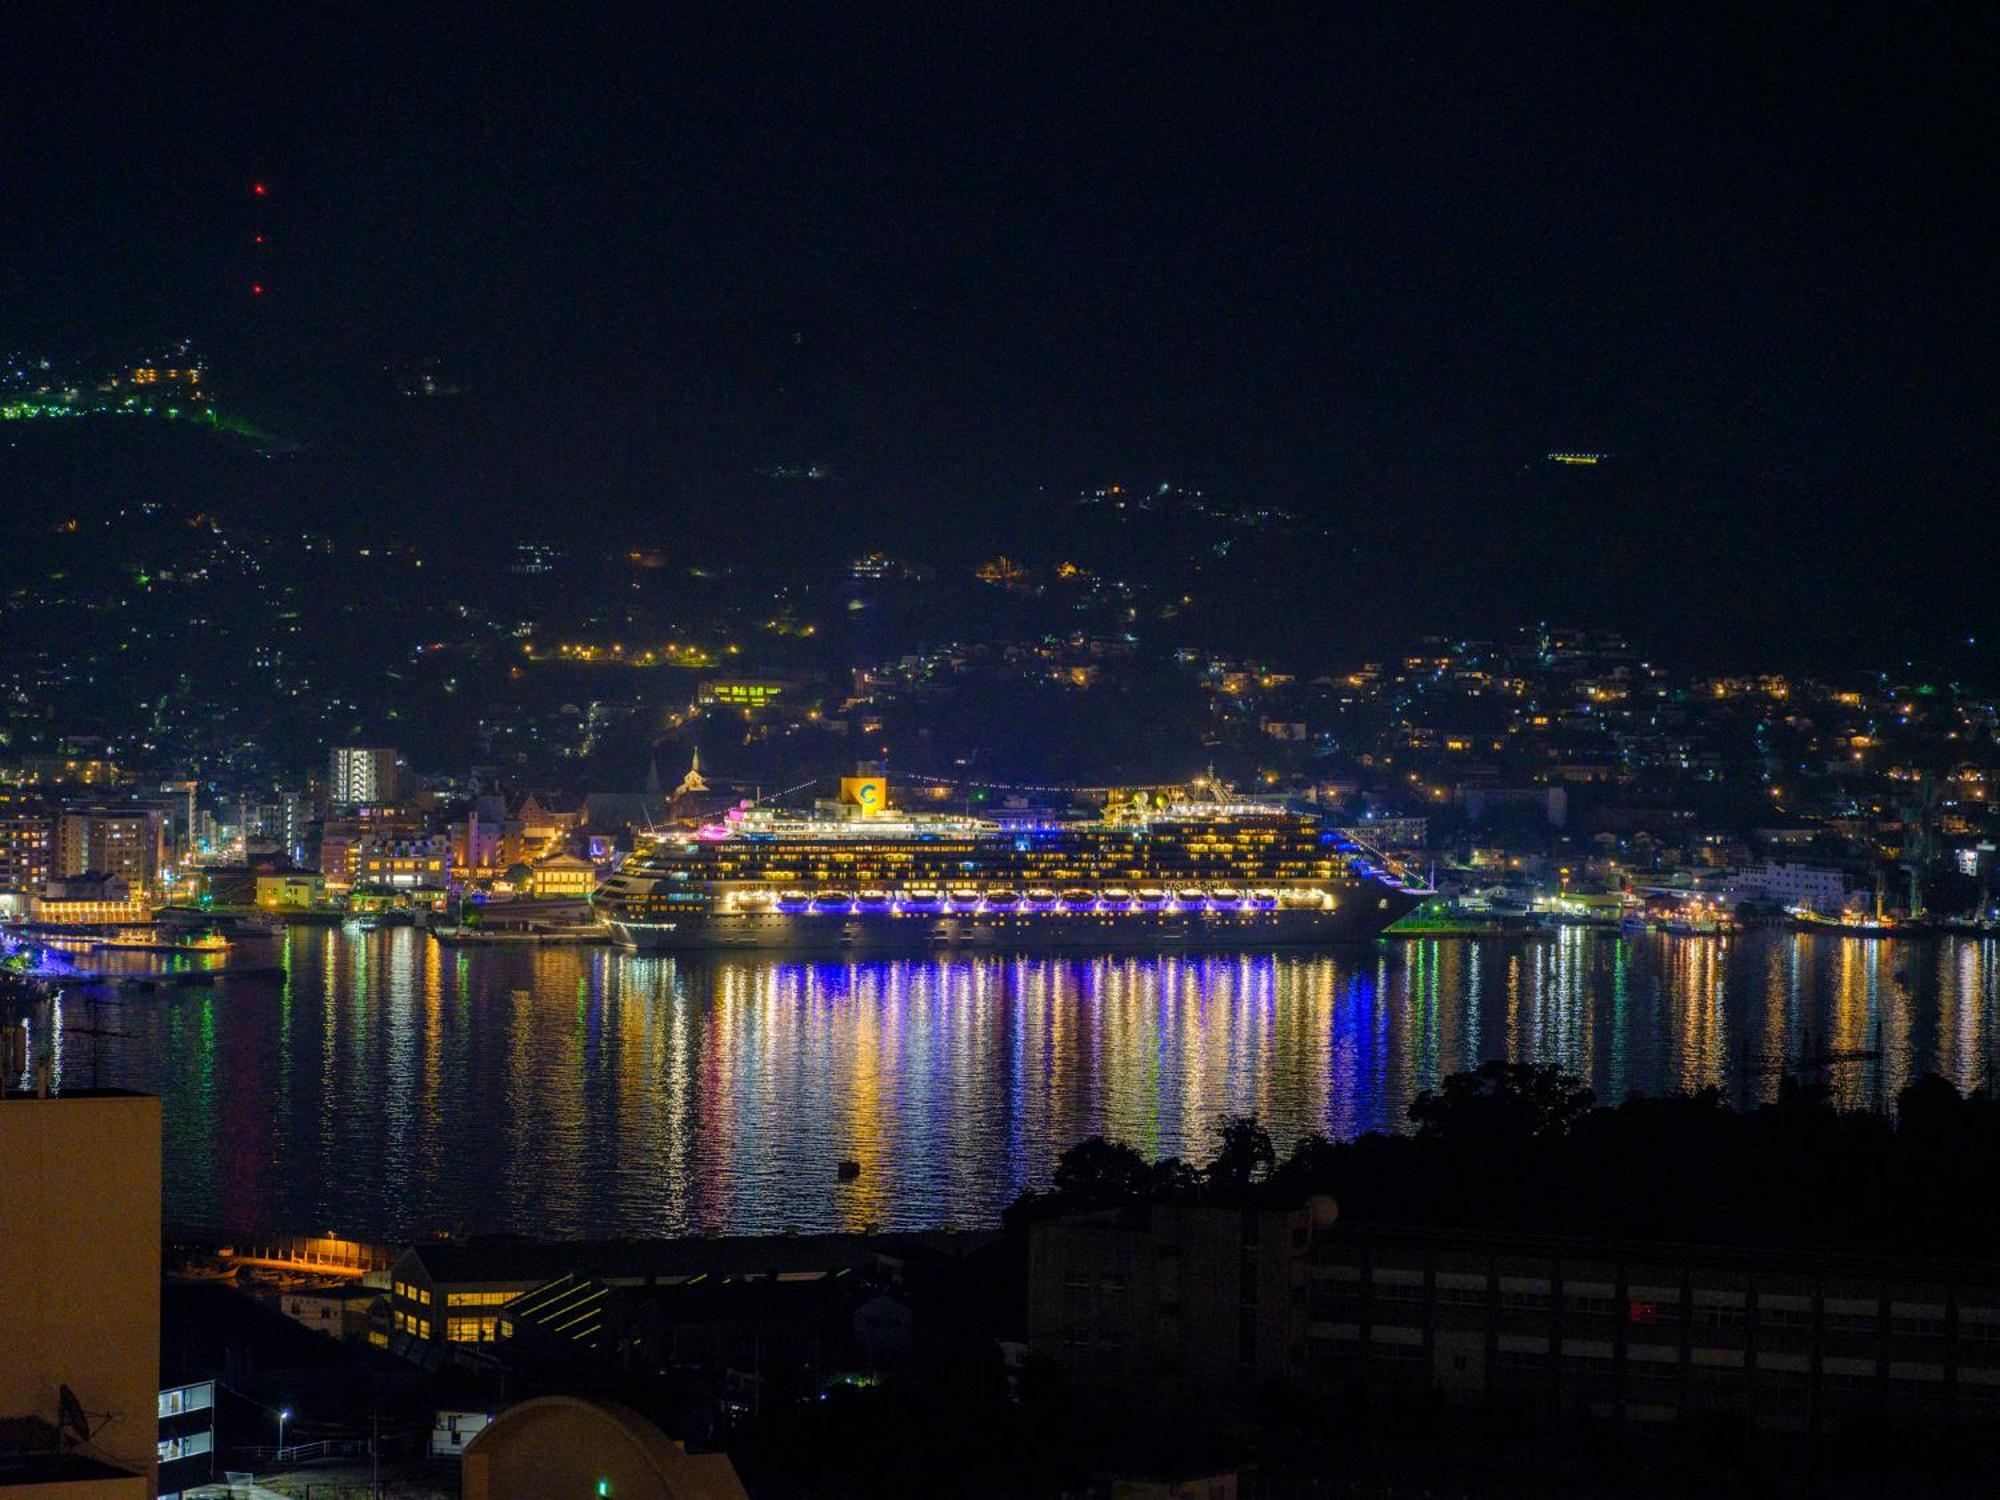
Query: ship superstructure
(855,873)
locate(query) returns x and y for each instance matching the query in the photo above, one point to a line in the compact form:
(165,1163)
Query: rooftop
(502,1258)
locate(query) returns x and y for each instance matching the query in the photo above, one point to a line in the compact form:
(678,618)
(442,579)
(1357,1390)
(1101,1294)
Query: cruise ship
(856,874)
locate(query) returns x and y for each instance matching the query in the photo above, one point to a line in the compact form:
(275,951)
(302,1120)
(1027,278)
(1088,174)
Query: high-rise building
(80,1294)
(27,844)
(280,823)
(128,842)
(360,775)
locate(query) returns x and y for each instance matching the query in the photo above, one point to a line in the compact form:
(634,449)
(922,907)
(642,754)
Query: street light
(284,1416)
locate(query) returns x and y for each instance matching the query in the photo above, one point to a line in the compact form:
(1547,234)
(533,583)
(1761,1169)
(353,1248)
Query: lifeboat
(1115,895)
(1152,897)
(874,900)
(1192,895)
(794,901)
(1263,898)
(1076,898)
(964,895)
(1226,895)
(755,900)
(921,900)
(1041,898)
(833,901)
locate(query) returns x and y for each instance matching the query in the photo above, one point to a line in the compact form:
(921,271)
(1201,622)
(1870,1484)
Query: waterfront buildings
(562,877)
(1814,888)
(126,842)
(27,845)
(290,890)
(90,900)
(393,862)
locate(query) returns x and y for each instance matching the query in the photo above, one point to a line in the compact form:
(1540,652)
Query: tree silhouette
(1502,1102)
(1244,1153)
(1172,1178)
(1098,1171)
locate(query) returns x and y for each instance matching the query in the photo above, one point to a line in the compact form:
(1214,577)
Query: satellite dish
(73,1418)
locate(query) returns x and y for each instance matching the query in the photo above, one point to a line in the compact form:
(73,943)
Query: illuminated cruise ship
(856,874)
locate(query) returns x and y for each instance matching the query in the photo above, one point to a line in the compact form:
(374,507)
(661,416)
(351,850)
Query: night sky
(1367,262)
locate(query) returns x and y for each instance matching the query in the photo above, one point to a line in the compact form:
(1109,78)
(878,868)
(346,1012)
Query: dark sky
(1366,261)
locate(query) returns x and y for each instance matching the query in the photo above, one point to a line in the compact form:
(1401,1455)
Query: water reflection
(384,1086)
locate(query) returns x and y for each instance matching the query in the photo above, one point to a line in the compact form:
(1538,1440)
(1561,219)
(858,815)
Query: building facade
(1776,883)
(1171,1297)
(1790,1341)
(80,1286)
(27,845)
(127,842)
(362,775)
(397,863)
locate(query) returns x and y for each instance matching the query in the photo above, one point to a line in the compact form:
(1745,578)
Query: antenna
(73,1419)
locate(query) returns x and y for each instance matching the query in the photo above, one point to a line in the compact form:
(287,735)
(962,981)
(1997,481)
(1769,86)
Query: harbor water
(383,1086)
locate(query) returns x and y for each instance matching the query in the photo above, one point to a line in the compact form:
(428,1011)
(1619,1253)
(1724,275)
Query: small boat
(922,899)
(794,901)
(1041,898)
(203,1268)
(1076,898)
(1263,898)
(1003,899)
(1116,895)
(1192,895)
(964,896)
(1152,896)
(873,900)
(832,901)
(1226,895)
(484,935)
(848,1170)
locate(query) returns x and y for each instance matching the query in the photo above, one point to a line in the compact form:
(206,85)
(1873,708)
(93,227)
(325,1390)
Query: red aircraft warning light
(258,189)
(256,288)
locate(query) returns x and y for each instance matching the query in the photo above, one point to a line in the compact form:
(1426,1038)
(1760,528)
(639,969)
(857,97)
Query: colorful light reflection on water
(387,1086)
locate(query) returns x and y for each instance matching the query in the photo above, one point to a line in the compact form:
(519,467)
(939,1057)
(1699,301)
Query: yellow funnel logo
(869,793)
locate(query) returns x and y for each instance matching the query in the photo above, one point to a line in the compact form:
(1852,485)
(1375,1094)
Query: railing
(1395,867)
(319,1254)
(317,1451)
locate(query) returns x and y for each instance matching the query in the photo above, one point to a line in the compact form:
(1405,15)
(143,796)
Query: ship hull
(1352,921)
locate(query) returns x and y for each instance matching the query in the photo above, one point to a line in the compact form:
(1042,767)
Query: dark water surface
(386,1086)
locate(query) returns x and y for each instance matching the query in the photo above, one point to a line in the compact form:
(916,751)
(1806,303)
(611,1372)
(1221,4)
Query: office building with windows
(362,776)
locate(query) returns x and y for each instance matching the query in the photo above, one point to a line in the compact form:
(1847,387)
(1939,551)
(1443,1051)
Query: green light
(603,1486)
